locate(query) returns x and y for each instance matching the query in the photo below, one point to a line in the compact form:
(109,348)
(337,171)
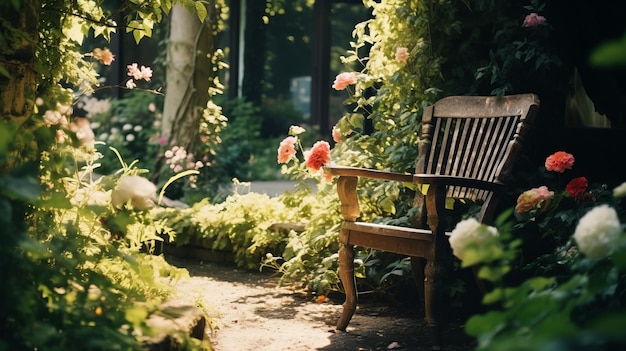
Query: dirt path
(252,314)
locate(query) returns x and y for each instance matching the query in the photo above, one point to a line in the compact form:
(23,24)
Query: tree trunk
(187,78)
(18,90)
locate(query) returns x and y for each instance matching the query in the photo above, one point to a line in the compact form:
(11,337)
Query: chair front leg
(434,275)
(346,274)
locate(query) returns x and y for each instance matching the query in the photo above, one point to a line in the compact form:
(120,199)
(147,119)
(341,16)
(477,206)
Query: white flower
(137,128)
(138,190)
(130,137)
(598,231)
(620,191)
(295,130)
(469,231)
(127,127)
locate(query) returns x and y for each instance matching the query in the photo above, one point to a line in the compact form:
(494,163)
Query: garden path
(250,312)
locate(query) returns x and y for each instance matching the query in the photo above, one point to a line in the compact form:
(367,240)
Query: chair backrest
(476,137)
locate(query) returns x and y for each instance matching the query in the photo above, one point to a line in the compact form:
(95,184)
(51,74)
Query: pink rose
(336,133)
(533,20)
(343,80)
(287,149)
(537,197)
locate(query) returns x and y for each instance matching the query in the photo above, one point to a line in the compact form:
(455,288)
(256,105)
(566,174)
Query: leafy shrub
(550,289)
(77,278)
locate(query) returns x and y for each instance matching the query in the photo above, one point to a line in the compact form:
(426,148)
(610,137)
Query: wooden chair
(467,147)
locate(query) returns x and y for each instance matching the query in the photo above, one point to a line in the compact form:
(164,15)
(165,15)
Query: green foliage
(77,280)
(277,115)
(130,125)
(242,224)
(518,49)
(610,53)
(233,156)
(74,266)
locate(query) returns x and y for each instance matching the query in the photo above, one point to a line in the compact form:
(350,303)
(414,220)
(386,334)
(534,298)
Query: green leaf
(493,296)
(24,188)
(201,10)
(4,72)
(58,201)
(136,315)
(138,34)
(609,54)
(490,322)
(610,323)
(619,258)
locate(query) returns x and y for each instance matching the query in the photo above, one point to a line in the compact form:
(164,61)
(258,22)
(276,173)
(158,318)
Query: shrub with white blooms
(598,232)
(467,232)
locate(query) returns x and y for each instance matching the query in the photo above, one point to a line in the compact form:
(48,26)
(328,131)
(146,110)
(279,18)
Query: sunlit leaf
(201,11)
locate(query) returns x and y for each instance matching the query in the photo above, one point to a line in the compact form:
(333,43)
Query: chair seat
(400,240)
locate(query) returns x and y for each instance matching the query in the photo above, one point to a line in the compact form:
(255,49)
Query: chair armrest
(367,173)
(446,180)
(347,183)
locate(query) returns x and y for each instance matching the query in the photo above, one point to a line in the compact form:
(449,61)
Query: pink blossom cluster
(179,159)
(138,73)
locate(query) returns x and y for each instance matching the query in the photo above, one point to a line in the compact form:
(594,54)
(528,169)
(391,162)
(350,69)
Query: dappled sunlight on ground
(250,312)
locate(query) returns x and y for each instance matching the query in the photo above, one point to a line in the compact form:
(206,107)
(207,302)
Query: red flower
(576,187)
(319,155)
(559,161)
